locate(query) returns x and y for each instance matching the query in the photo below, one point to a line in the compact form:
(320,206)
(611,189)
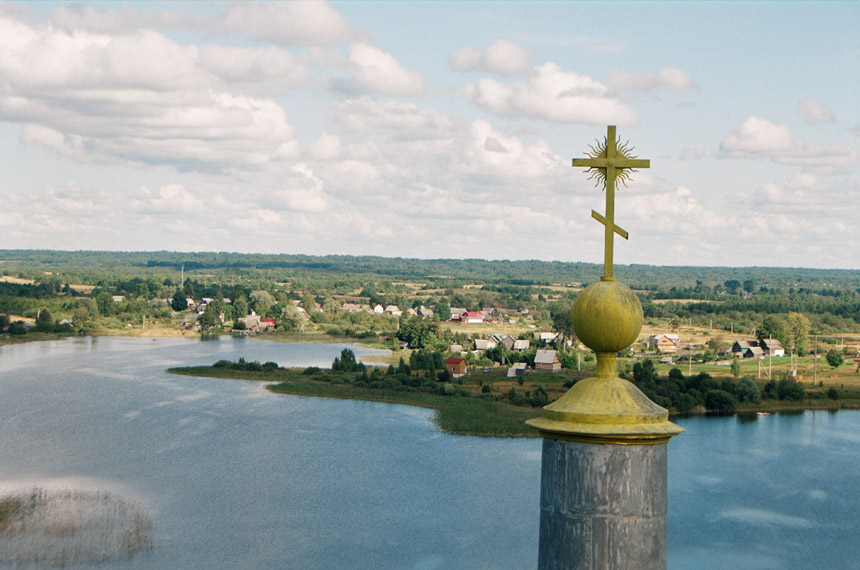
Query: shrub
(720,401)
(834,358)
(789,389)
(747,391)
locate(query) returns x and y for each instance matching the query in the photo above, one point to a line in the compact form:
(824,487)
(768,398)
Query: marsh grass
(61,527)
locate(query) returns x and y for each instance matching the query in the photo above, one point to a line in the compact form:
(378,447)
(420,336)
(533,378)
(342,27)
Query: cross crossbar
(610,162)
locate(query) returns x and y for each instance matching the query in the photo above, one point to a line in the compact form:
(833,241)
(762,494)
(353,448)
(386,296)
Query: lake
(236,477)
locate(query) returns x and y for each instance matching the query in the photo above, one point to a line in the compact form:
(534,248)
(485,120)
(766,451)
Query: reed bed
(59,527)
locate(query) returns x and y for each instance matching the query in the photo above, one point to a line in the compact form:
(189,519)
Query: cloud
(170,199)
(252,66)
(501,56)
(553,94)
(142,97)
(494,154)
(814,111)
(304,192)
(378,72)
(670,78)
(759,138)
(399,119)
(310,23)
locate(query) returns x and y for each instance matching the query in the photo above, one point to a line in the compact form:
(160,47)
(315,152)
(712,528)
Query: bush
(747,391)
(833,393)
(789,389)
(834,358)
(720,401)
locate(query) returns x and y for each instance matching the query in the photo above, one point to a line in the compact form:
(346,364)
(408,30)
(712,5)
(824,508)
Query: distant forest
(728,298)
(692,282)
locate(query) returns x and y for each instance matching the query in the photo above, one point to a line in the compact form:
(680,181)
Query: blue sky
(432,129)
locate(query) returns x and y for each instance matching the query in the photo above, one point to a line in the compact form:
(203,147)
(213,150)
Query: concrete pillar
(603,506)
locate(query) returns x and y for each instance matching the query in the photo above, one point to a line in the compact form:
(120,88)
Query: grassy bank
(479,405)
(456,414)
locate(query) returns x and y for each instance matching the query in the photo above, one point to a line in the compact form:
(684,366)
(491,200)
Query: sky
(433,129)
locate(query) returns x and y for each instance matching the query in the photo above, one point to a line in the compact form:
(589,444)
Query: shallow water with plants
(234,476)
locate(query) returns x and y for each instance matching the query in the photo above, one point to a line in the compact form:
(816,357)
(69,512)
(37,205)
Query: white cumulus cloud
(288,23)
(760,138)
(501,56)
(378,72)
(814,111)
(553,94)
(140,96)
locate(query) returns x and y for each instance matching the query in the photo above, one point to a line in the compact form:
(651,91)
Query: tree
(748,391)
(417,332)
(442,310)
(346,362)
(180,301)
(834,357)
(308,301)
(105,303)
(45,321)
(720,401)
(290,318)
(210,317)
(561,319)
(771,327)
(262,301)
(797,331)
(736,367)
(240,307)
(789,389)
(732,285)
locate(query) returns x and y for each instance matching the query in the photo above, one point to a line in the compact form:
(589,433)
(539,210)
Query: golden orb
(607,316)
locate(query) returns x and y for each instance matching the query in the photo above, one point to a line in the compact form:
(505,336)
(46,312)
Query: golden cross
(610,163)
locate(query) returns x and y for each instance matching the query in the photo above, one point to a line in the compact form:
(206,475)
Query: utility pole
(815,363)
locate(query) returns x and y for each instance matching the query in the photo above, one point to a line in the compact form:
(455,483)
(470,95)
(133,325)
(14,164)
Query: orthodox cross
(608,162)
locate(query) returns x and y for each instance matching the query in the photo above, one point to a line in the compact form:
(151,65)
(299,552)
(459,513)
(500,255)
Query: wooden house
(455,366)
(547,360)
(665,342)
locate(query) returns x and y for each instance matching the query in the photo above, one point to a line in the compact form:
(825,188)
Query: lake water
(236,477)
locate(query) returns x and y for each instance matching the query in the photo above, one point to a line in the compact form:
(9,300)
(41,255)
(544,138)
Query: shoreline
(460,415)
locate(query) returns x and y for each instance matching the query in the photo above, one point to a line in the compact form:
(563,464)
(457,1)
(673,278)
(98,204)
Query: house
(378,309)
(546,337)
(457,313)
(266,324)
(484,344)
(393,310)
(521,344)
(740,346)
(473,318)
(517,369)
(455,348)
(425,312)
(455,366)
(772,347)
(547,360)
(665,342)
(753,352)
(251,322)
